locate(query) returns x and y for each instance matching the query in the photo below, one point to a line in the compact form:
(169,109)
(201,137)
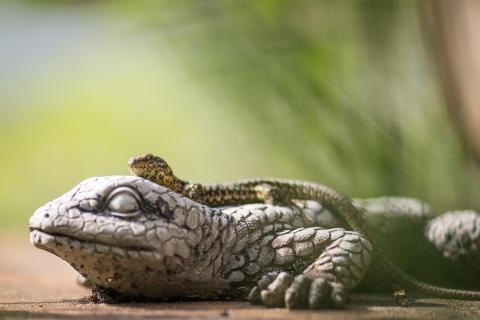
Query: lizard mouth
(52,240)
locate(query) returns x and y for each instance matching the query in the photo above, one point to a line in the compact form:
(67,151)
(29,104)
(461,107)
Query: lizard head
(155,169)
(148,162)
(125,233)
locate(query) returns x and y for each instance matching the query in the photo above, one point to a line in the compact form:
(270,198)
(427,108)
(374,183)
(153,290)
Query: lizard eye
(123,203)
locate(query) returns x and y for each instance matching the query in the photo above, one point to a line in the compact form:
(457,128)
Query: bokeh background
(341,92)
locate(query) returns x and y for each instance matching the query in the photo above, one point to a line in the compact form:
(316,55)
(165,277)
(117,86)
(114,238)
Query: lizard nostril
(46,215)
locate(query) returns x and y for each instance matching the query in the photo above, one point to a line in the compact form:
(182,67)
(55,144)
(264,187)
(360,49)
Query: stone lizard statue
(138,239)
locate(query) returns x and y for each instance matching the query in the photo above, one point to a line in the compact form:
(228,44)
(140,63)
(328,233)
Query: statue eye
(123,203)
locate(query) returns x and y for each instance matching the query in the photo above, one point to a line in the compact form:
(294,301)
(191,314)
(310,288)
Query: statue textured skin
(283,191)
(136,239)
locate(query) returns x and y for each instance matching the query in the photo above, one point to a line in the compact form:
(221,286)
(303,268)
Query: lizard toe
(296,296)
(319,295)
(339,295)
(273,295)
(255,294)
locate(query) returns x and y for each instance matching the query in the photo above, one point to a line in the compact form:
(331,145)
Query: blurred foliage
(337,92)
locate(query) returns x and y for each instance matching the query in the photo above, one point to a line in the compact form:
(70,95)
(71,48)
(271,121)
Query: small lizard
(270,190)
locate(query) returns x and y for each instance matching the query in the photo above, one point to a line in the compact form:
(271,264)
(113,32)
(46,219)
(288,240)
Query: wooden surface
(37,285)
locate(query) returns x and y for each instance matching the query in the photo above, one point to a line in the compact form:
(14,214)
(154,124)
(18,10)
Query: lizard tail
(433,290)
(354,216)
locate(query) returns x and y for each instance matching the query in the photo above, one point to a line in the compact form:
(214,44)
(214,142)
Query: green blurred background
(342,93)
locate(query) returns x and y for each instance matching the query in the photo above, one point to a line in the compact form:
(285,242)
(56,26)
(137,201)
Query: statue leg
(342,258)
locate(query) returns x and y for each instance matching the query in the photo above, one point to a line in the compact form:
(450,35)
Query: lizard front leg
(327,281)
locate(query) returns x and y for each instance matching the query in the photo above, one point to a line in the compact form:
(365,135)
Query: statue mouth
(51,241)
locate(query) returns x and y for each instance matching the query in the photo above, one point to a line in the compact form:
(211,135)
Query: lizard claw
(300,292)
(273,295)
(296,296)
(316,293)
(320,293)
(255,294)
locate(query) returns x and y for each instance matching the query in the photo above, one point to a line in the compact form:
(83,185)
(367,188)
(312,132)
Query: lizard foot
(300,292)
(194,191)
(271,195)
